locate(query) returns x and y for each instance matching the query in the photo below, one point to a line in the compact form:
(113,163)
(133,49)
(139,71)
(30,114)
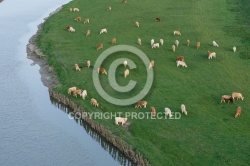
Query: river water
(33,129)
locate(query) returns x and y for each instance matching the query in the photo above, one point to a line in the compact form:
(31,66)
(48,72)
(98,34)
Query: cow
(181,63)
(155,45)
(86,21)
(227,98)
(88,63)
(102,70)
(120,120)
(77,67)
(168,112)
(173,48)
(139,104)
(77,92)
(161,42)
(77,19)
(70,29)
(108,8)
(237,95)
(151,64)
(137,24)
(198,44)
(211,54)
(183,109)
(103,31)
(126,73)
(177,32)
(177,43)
(238,112)
(153,111)
(215,44)
(76,9)
(71,90)
(234,48)
(157,19)
(180,58)
(113,41)
(99,46)
(125,63)
(87,32)
(94,102)
(84,94)
(188,42)
(139,41)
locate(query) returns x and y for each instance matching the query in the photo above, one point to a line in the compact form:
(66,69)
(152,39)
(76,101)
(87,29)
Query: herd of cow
(179,61)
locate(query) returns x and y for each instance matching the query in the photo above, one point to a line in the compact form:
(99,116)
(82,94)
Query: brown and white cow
(227,98)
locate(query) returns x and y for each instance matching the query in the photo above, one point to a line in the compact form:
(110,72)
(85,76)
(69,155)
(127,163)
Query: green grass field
(209,135)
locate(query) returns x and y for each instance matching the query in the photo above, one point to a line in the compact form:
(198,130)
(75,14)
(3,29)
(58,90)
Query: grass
(209,135)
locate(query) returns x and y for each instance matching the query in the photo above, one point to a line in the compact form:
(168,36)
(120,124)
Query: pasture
(209,134)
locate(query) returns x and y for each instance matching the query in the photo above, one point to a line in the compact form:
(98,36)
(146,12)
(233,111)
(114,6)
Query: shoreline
(49,79)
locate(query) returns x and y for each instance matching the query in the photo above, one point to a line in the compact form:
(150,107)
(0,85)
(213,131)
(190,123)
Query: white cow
(156,45)
(103,31)
(168,112)
(183,109)
(125,63)
(181,63)
(161,42)
(139,41)
(152,41)
(177,43)
(84,94)
(234,48)
(120,120)
(173,48)
(215,44)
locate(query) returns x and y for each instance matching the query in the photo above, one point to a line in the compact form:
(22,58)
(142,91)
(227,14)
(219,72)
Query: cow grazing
(139,41)
(77,92)
(215,44)
(86,21)
(157,19)
(77,67)
(234,48)
(94,102)
(103,31)
(88,63)
(108,8)
(87,32)
(181,63)
(124,1)
(211,54)
(139,104)
(78,19)
(173,48)
(198,44)
(113,41)
(168,112)
(177,43)
(102,70)
(120,120)
(84,94)
(151,64)
(156,45)
(183,109)
(153,111)
(161,42)
(125,63)
(70,29)
(238,112)
(76,9)
(137,24)
(188,42)
(99,46)
(152,41)
(177,32)
(126,73)
(227,98)
(237,95)
(72,89)
(180,58)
